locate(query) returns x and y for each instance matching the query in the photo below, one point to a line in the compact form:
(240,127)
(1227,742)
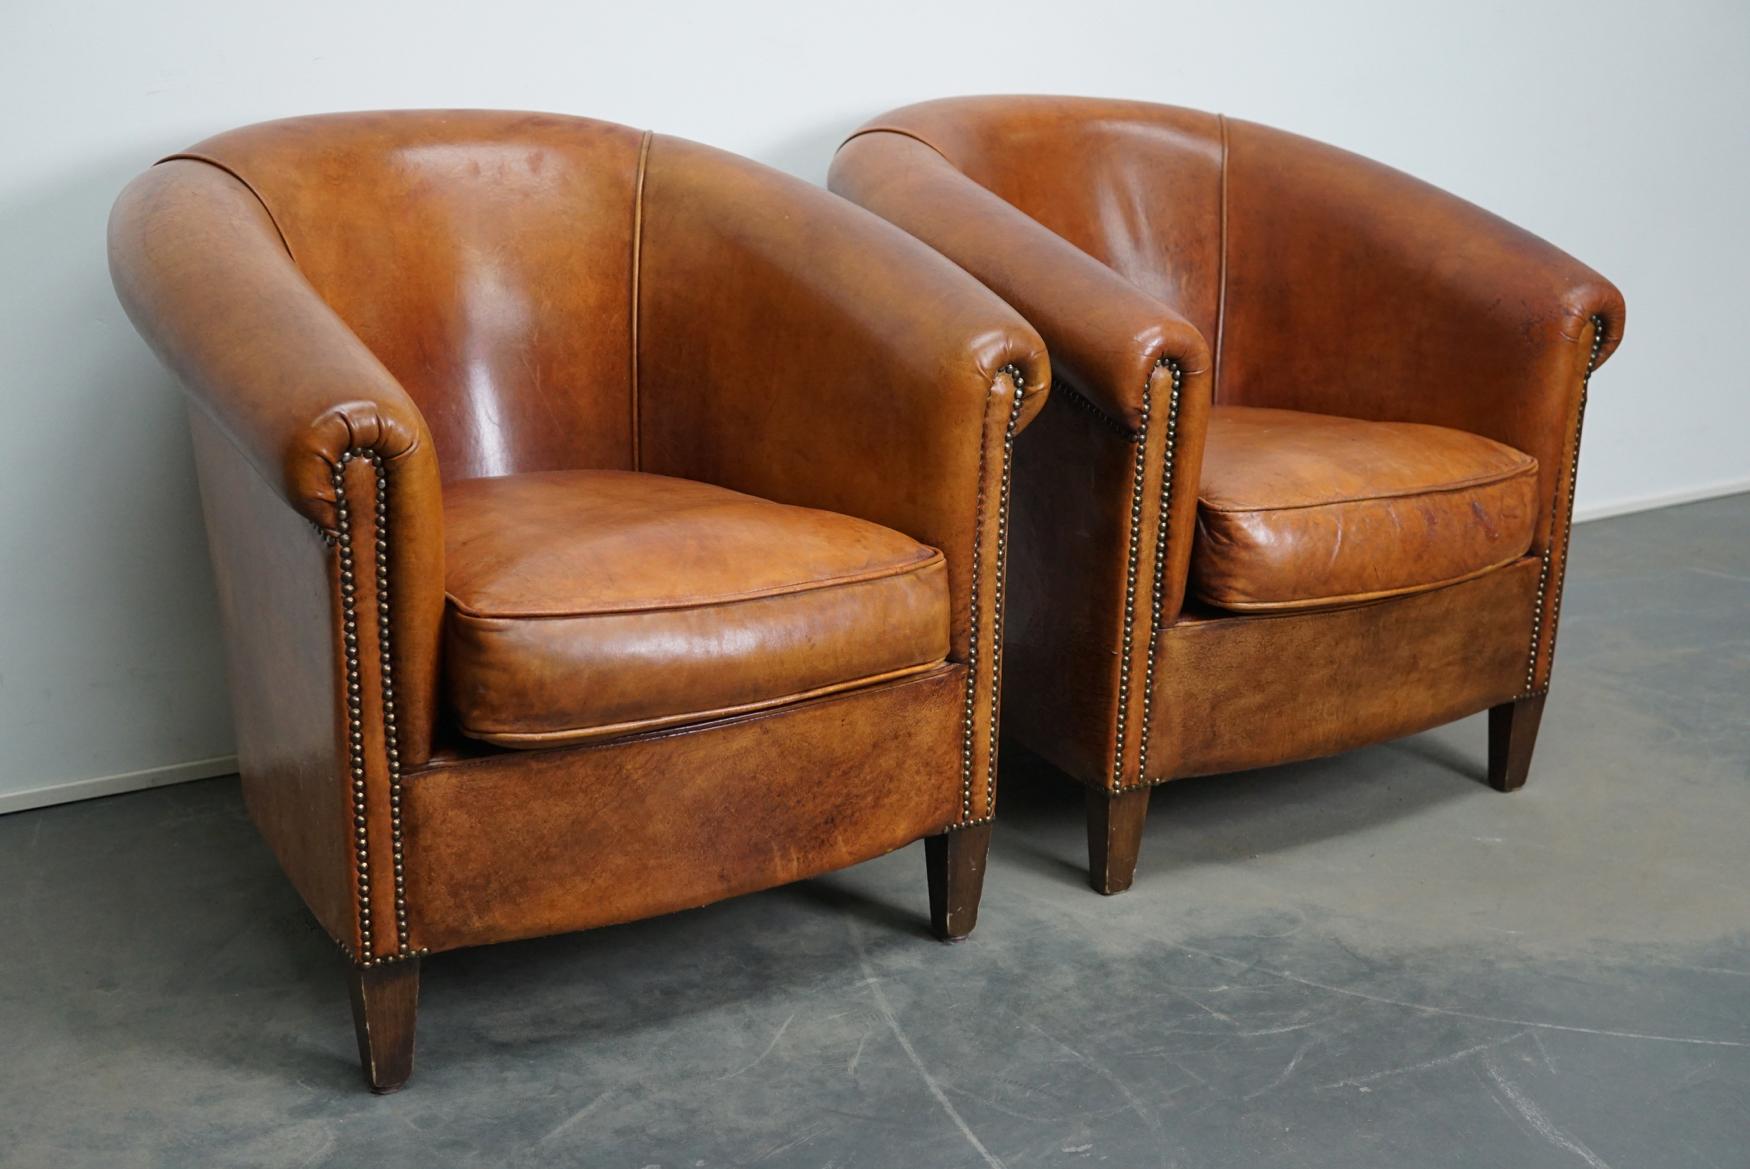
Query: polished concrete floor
(1365,961)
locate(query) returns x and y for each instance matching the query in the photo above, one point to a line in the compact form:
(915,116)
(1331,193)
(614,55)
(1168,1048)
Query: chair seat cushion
(1299,510)
(588,604)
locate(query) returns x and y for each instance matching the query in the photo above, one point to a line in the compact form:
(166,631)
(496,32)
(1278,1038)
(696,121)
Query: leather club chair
(604,525)
(1309,479)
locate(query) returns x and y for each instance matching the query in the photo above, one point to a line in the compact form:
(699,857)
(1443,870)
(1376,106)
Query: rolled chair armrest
(794,346)
(207,279)
(1106,335)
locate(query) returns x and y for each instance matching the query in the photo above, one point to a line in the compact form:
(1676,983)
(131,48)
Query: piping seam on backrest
(1221,277)
(637,261)
(903,134)
(190,156)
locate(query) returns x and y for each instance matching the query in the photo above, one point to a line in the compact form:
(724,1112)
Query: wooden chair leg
(955,861)
(1512,735)
(1115,824)
(385,1002)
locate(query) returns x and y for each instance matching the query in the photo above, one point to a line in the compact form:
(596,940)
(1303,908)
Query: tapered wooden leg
(956,866)
(1115,824)
(385,1001)
(1512,735)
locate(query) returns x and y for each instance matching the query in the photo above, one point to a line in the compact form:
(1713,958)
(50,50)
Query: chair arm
(1109,533)
(1355,289)
(207,280)
(1106,335)
(796,347)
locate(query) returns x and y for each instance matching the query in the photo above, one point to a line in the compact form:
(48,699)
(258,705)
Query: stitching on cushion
(916,567)
(1335,602)
(691,718)
(1407,493)
(439,762)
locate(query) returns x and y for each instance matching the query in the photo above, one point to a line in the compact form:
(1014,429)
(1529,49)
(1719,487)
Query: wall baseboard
(68,791)
(1604,511)
(110,785)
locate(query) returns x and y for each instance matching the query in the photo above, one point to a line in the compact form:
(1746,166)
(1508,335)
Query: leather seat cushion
(1299,510)
(588,604)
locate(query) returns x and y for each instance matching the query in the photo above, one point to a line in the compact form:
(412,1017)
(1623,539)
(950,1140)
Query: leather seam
(1195,621)
(944,667)
(797,589)
(1314,604)
(603,732)
(637,265)
(922,141)
(1221,286)
(190,156)
(1379,497)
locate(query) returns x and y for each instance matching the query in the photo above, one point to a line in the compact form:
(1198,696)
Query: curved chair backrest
(1293,258)
(1135,185)
(486,258)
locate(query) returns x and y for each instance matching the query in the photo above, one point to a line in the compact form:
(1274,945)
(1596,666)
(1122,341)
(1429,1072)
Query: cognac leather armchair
(1309,479)
(604,525)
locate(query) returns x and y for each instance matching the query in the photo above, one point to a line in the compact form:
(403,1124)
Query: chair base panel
(517,844)
(1235,693)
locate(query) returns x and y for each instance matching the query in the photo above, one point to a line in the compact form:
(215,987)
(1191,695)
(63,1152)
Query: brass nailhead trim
(385,960)
(1086,405)
(1138,476)
(355,742)
(996,623)
(1555,601)
(1156,603)
(969,718)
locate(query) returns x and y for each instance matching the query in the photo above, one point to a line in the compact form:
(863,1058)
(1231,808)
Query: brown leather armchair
(604,524)
(1310,478)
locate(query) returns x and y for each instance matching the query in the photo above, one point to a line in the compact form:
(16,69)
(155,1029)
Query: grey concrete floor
(1372,960)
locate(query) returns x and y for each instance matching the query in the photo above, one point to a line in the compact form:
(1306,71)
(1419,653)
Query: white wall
(1616,129)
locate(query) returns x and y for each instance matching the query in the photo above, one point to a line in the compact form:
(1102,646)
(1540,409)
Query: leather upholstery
(1236,690)
(514,844)
(1275,272)
(1300,510)
(589,604)
(485,259)
(459,351)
